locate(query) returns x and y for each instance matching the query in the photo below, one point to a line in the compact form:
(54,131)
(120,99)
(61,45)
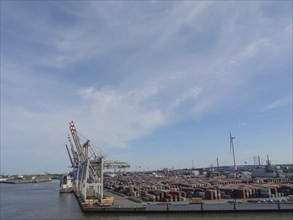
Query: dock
(126,205)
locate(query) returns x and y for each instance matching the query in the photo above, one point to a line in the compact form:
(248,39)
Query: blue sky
(153,83)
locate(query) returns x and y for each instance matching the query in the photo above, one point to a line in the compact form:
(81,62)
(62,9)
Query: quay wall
(189,208)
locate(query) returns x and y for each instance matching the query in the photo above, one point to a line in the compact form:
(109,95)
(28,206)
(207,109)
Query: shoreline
(26,181)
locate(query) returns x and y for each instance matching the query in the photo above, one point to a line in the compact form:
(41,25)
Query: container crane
(90,167)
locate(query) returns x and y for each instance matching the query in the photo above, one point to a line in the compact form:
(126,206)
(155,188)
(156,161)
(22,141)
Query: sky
(157,84)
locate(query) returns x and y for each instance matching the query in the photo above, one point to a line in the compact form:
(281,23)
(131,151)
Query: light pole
(139,190)
(233,192)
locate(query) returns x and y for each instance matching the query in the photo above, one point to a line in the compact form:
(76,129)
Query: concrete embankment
(124,205)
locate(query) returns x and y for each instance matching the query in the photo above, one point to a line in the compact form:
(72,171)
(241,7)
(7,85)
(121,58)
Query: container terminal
(185,190)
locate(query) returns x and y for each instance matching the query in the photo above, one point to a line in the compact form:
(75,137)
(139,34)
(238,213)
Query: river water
(43,201)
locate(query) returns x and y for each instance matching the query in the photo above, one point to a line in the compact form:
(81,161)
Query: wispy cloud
(242,124)
(251,50)
(126,115)
(277,104)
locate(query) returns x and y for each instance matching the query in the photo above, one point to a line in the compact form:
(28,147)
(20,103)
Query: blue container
(196,194)
(189,194)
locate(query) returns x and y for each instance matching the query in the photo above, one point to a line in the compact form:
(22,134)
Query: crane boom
(71,161)
(74,153)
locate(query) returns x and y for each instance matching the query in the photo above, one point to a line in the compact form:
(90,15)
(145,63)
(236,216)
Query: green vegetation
(288,170)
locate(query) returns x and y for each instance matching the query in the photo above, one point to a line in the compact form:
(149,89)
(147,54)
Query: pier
(124,204)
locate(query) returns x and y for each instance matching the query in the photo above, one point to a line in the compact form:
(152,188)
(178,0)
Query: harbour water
(43,201)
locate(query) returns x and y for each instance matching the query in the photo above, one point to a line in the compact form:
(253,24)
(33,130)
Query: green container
(265,190)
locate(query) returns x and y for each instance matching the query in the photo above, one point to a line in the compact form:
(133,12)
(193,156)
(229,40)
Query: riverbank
(24,181)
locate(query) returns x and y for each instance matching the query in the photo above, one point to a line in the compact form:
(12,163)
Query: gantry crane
(90,165)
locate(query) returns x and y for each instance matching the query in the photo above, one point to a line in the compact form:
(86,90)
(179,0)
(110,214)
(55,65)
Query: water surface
(43,201)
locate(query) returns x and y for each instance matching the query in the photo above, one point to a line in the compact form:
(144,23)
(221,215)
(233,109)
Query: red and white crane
(89,164)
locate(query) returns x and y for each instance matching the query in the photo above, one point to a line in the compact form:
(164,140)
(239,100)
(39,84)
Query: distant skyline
(157,84)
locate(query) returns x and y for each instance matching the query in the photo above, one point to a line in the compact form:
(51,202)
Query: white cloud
(191,93)
(285,101)
(242,124)
(123,116)
(251,50)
